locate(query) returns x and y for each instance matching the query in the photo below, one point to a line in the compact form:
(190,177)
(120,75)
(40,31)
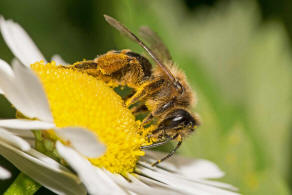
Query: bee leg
(85,65)
(165,107)
(147,89)
(139,95)
(168,155)
(168,139)
(128,96)
(89,67)
(155,144)
(147,119)
(139,109)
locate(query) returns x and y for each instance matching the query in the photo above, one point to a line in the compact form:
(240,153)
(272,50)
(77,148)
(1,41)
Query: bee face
(178,121)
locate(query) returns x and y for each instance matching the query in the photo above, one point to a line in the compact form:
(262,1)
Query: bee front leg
(139,95)
(147,119)
(168,155)
(140,109)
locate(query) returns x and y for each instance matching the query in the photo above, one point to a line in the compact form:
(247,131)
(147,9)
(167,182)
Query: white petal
(191,168)
(59,60)
(33,88)
(218,184)
(20,94)
(7,70)
(164,170)
(84,141)
(24,124)
(21,133)
(202,169)
(139,187)
(52,177)
(86,172)
(52,163)
(11,90)
(19,42)
(116,189)
(185,186)
(13,140)
(4,174)
(186,169)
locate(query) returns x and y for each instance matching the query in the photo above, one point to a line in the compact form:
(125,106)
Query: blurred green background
(236,54)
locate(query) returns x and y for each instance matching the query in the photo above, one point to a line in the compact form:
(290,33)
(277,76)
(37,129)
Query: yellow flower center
(77,99)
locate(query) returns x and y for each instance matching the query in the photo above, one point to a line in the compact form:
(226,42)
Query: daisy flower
(73,134)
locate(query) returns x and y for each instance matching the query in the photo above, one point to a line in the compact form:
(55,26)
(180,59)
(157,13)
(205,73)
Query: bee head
(178,120)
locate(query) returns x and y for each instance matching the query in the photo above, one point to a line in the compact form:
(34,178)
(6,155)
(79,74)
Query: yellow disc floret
(77,99)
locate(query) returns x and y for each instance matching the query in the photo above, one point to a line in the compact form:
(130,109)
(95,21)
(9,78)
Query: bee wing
(156,44)
(124,30)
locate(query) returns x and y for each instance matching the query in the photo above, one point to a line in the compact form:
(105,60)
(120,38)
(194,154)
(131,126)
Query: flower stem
(22,185)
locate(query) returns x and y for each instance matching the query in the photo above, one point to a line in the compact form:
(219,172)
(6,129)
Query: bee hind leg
(85,65)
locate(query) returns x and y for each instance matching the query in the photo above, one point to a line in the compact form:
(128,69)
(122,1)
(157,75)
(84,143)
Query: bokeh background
(236,54)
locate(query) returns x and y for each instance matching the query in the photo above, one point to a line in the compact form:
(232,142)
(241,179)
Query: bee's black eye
(178,119)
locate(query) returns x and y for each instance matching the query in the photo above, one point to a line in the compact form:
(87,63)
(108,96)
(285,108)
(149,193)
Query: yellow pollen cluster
(77,99)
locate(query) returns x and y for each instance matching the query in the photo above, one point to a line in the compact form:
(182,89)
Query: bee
(161,90)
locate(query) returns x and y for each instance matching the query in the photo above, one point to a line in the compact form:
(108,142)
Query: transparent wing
(124,30)
(155,44)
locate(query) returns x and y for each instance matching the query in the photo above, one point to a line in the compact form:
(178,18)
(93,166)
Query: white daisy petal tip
(204,169)
(5,68)
(24,90)
(4,174)
(19,42)
(83,140)
(59,60)
(8,137)
(33,89)
(12,90)
(25,124)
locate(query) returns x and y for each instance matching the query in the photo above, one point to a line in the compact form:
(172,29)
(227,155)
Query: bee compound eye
(178,118)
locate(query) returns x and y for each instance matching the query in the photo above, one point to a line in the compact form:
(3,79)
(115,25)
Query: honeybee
(161,90)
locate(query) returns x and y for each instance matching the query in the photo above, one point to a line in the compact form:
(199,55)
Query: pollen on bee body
(77,99)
